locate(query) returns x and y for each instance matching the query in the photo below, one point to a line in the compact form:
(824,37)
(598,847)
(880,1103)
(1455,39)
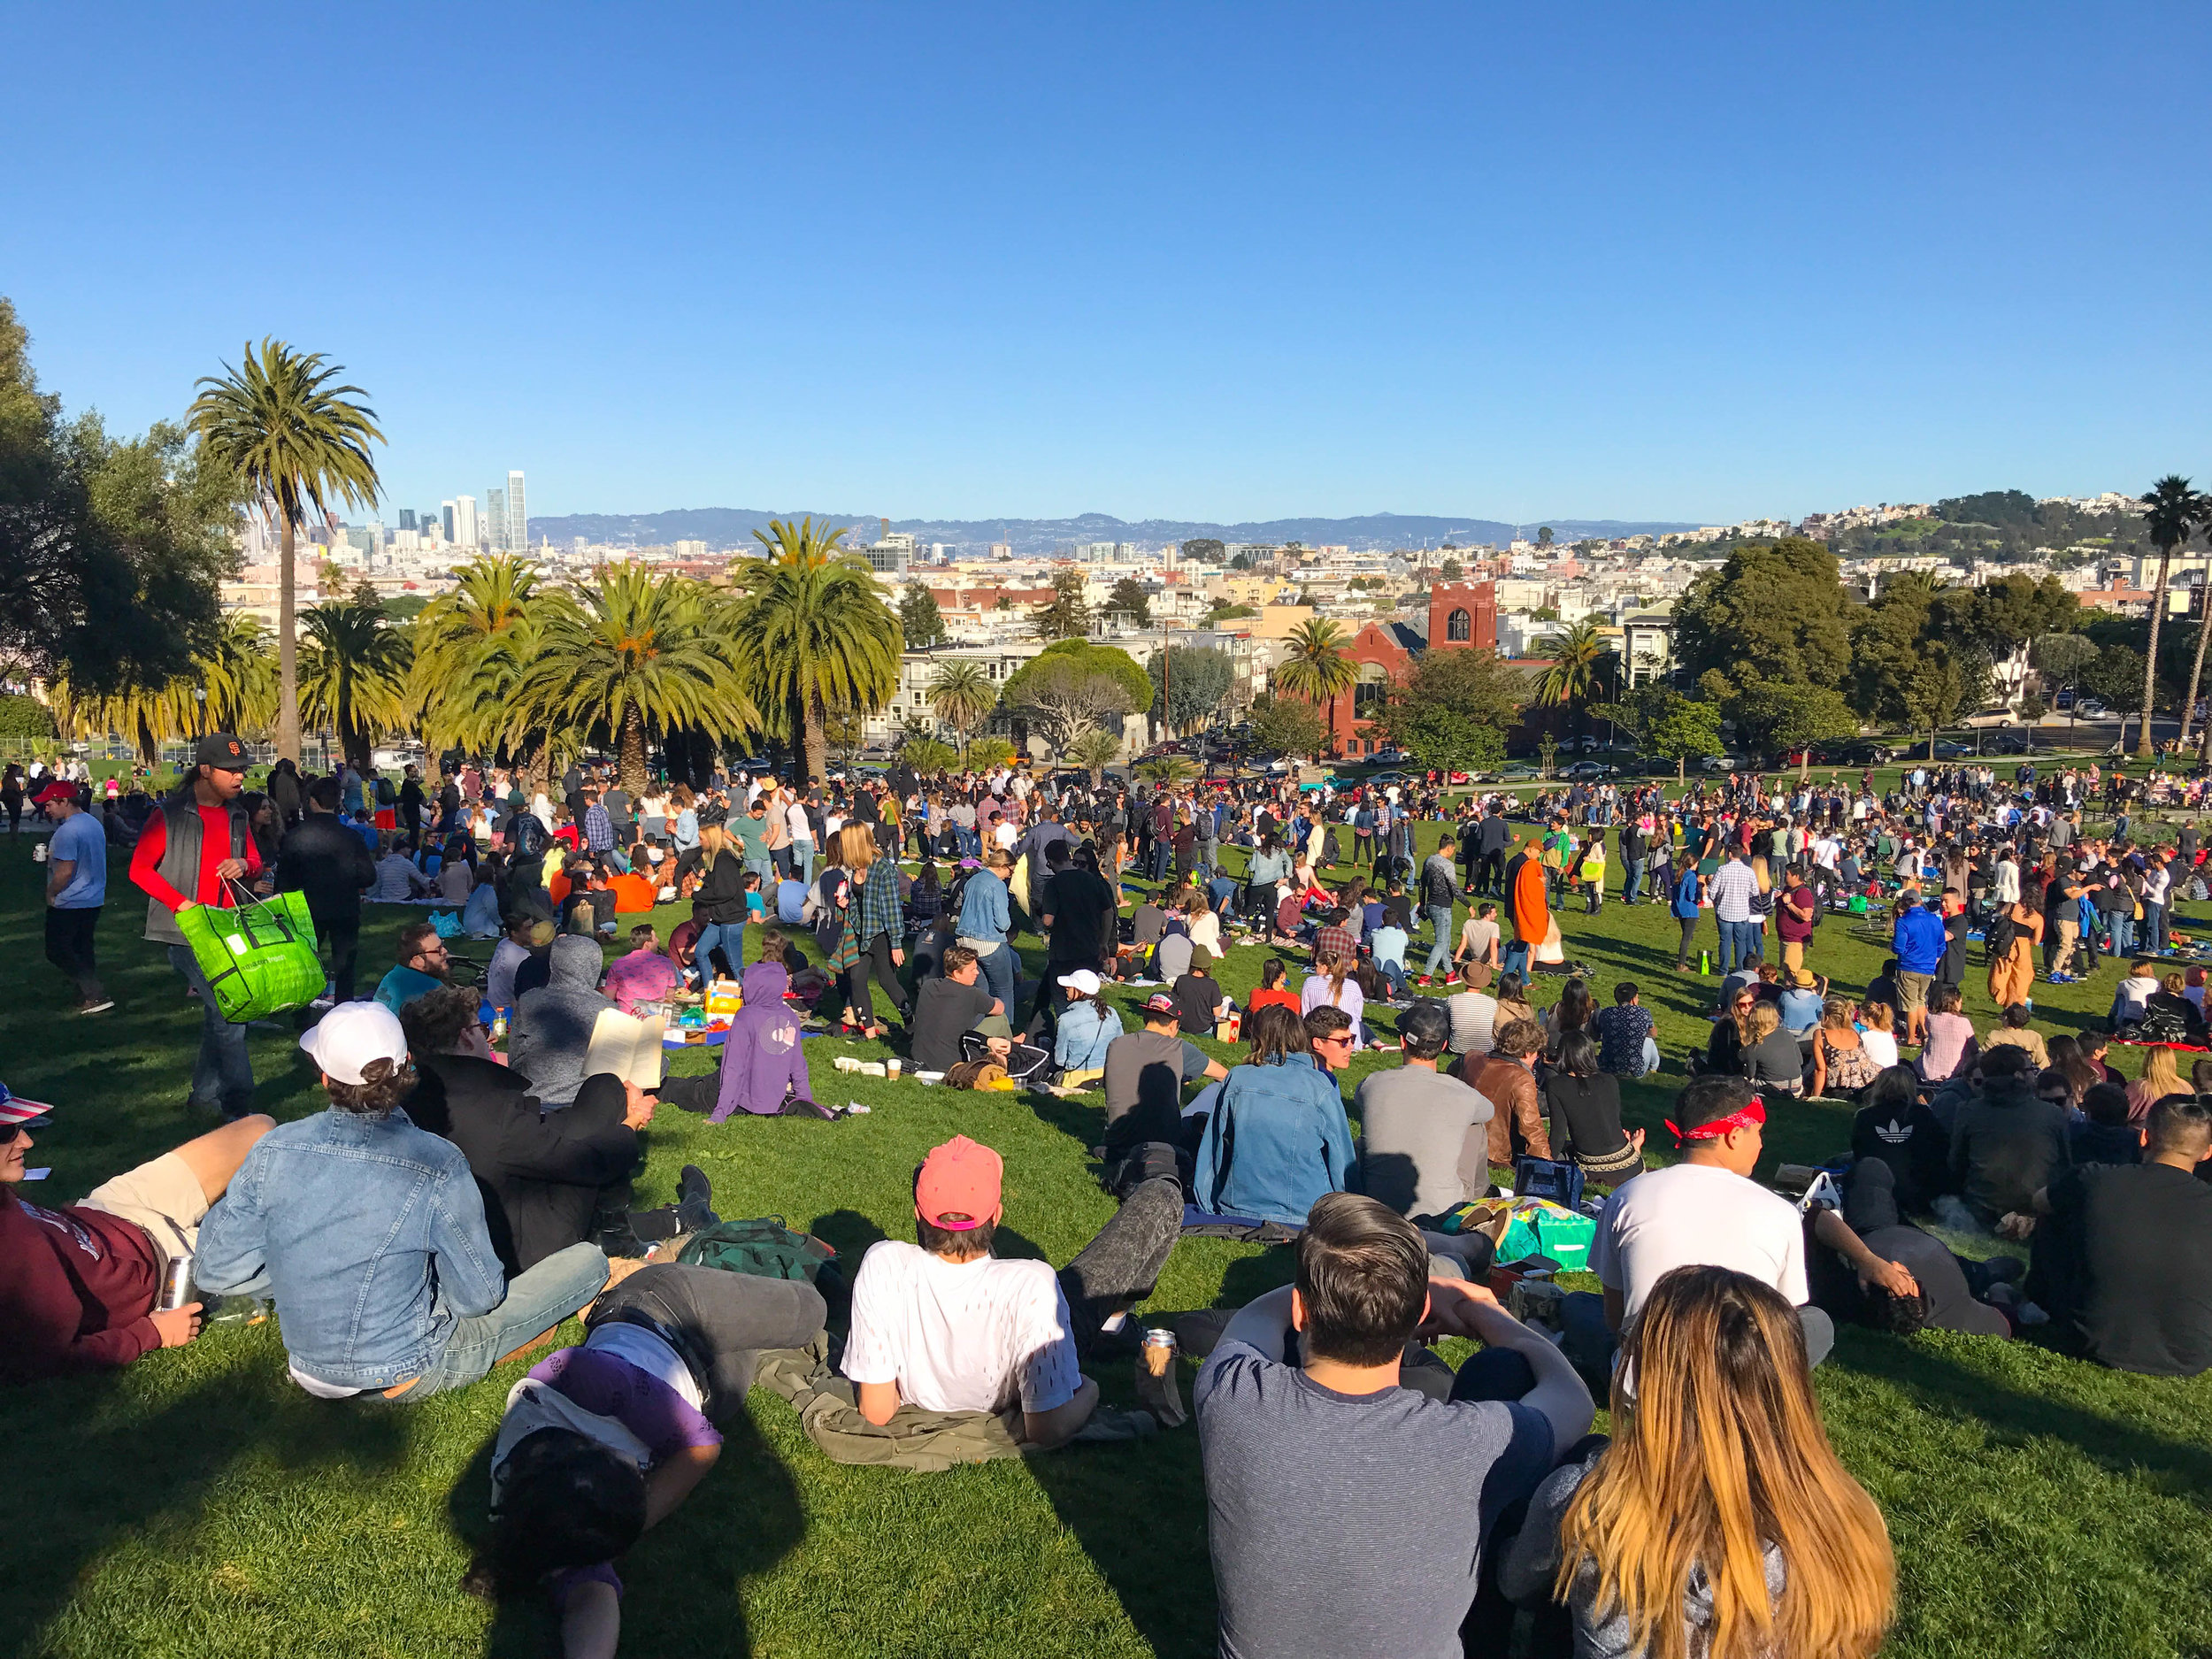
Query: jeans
(803,855)
(222,1073)
(536,1301)
(1514,958)
(69,946)
(765,867)
(1632,885)
(726,1319)
(2123,933)
(1440,952)
(1161,847)
(1739,943)
(1001,970)
(1394,975)
(1121,1266)
(730,938)
(2154,928)
(1689,938)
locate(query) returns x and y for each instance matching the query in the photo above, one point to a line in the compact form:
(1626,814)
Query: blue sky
(1197,261)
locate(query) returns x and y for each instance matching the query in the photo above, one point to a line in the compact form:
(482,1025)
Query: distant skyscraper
(445,516)
(518,516)
(465,531)
(495,520)
(406,518)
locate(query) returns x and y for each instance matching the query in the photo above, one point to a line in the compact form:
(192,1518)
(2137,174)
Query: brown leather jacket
(1517,1117)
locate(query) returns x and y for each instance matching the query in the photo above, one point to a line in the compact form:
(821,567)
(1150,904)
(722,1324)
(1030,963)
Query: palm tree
(1317,668)
(964,696)
(471,646)
(636,650)
(1577,655)
(146,715)
(296,442)
(1094,751)
(2202,522)
(820,632)
(234,672)
(353,675)
(1174,771)
(239,695)
(2170,512)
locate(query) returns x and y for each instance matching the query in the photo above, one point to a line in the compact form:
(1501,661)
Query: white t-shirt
(1696,1215)
(1880,1046)
(960,1336)
(796,822)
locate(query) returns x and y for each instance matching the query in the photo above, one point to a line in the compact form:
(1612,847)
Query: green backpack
(763,1248)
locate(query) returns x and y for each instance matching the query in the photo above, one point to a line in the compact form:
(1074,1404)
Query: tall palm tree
(1317,668)
(296,442)
(2201,521)
(353,675)
(820,631)
(633,651)
(471,648)
(963,696)
(1578,655)
(2171,512)
(147,717)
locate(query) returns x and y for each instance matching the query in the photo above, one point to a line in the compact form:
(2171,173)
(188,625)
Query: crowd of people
(454,1203)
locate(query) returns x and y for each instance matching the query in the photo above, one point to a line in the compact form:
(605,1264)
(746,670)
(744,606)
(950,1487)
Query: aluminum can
(176,1285)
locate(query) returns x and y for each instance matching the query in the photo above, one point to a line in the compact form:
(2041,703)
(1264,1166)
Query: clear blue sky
(1200,261)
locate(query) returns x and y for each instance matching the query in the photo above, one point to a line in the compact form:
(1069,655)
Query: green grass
(196,1503)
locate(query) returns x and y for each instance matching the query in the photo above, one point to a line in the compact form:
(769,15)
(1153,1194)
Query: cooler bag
(1541,1228)
(259,959)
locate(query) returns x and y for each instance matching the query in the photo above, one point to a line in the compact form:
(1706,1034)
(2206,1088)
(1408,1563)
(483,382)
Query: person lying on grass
(604,1440)
(78,1284)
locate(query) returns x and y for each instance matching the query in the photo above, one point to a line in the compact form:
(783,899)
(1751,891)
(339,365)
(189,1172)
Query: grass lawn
(197,1503)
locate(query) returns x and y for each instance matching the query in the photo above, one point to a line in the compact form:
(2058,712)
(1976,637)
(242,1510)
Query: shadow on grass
(105,1471)
(683,1579)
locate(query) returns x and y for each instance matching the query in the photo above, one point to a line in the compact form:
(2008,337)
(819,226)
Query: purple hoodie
(762,1053)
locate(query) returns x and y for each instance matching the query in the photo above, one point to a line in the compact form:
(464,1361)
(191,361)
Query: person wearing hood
(553,1025)
(763,1065)
(2006,1143)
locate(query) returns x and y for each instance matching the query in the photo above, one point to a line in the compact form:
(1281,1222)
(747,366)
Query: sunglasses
(1341,1036)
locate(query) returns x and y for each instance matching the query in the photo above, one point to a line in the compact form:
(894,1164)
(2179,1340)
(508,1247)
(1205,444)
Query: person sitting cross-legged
(1299,1439)
(1424,1137)
(371,1233)
(78,1283)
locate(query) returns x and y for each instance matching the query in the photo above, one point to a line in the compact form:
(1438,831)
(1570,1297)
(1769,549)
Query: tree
(1667,724)
(1197,684)
(1287,726)
(1128,599)
(819,635)
(1203,549)
(295,442)
(2116,675)
(237,676)
(1095,751)
(1066,617)
(919,618)
(1916,659)
(463,667)
(1242,562)
(1075,686)
(988,752)
(1772,610)
(1171,770)
(2059,657)
(1451,571)
(1453,711)
(963,696)
(1775,717)
(353,675)
(2008,614)
(1543,536)
(929,757)
(1317,668)
(632,653)
(1577,657)
(2172,510)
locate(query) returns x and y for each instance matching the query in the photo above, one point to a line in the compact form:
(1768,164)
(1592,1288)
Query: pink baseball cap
(960,1178)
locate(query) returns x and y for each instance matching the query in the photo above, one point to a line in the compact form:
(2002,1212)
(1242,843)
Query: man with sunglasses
(78,1284)
(423,966)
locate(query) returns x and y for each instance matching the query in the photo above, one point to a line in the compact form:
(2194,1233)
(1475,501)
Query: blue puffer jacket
(1276,1141)
(1918,941)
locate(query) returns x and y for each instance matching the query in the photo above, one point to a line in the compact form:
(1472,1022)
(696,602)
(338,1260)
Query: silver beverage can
(176,1285)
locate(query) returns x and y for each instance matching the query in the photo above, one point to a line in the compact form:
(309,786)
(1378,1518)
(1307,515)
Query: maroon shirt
(77,1289)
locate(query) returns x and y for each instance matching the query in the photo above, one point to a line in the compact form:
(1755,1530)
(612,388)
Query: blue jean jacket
(371,1233)
(984,911)
(1276,1141)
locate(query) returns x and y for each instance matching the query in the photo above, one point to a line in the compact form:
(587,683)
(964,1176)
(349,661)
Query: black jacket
(322,859)
(541,1173)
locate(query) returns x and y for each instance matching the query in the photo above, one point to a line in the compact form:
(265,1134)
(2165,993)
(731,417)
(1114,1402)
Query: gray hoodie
(552,1025)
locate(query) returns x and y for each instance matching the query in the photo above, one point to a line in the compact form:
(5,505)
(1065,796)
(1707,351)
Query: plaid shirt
(598,829)
(876,908)
(1331,940)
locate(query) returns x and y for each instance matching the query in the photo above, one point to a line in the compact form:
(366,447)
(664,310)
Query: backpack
(1999,936)
(763,1248)
(384,794)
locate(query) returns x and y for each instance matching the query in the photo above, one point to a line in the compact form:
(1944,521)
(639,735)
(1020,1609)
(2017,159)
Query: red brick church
(1460,614)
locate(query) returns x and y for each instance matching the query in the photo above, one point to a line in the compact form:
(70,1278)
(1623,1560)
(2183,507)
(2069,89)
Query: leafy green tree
(818,633)
(1916,660)
(2171,511)
(457,637)
(2009,614)
(1095,751)
(1074,686)
(1287,725)
(2116,676)
(928,756)
(1242,562)
(25,716)
(1198,683)
(1173,770)
(637,653)
(2060,657)
(1454,709)
(920,619)
(297,443)
(1775,717)
(1203,549)
(1543,536)
(1128,599)
(1667,724)
(353,675)
(988,752)
(1451,569)
(1317,668)
(963,696)
(1066,617)
(1771,611)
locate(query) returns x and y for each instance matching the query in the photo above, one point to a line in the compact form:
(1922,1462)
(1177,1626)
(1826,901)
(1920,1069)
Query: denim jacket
(984,911)
(1276,1141)
(372,1233)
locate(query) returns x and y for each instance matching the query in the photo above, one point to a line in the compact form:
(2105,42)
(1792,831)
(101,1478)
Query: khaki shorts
(164,1197)
(1912,989)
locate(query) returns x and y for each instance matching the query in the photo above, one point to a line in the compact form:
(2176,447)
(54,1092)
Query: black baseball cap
(221,749)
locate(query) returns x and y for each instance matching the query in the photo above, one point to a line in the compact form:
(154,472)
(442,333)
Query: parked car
(394,758)
(1588,771)
(2090,709)
(1390,756)
(1520,771)
(1383,780)
(1717,763)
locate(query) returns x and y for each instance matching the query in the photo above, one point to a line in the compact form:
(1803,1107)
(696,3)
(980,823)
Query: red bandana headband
(1752,1111)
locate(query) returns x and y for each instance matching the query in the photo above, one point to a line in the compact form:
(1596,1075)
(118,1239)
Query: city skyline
(1217,266)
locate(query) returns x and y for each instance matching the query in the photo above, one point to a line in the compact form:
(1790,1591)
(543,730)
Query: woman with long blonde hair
(1718,1524)
(871,946)
(717,904)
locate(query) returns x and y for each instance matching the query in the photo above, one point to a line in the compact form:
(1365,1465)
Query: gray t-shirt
(1145,1074)
(1415,1126)
(1350,1526)
(1474,1017)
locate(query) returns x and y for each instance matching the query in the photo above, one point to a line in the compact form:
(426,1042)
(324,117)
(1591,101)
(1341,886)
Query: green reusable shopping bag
(259,959)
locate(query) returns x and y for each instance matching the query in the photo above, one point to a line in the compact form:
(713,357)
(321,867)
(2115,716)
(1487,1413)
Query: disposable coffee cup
(891,1068)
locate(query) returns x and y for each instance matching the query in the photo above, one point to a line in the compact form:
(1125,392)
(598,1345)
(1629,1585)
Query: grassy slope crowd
(197,1503)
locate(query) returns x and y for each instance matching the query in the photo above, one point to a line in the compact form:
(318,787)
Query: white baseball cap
(1082,979)
(343,1041)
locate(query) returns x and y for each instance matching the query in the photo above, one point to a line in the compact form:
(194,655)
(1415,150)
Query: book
(626,1046)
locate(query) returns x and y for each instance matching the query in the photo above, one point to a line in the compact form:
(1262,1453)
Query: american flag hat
(15,1109)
